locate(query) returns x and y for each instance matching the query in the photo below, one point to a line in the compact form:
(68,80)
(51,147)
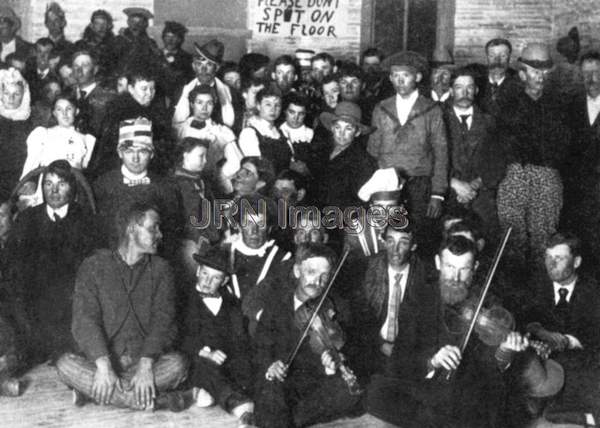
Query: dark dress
(13,137)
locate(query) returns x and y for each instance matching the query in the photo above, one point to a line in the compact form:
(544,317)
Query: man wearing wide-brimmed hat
(10,24)
(216,341)
(228,106)
(536,140)
(410,135)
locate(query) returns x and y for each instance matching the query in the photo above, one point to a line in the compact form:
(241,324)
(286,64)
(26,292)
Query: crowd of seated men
(301,238)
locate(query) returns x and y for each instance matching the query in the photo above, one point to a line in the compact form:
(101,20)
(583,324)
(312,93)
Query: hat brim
(555,379)
(136,11)
(328,119)
(211,263)
(200,52)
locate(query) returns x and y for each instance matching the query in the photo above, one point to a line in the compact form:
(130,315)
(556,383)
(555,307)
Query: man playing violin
(308,389)
(415,391)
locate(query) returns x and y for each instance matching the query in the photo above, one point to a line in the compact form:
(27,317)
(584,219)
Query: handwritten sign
(281,25)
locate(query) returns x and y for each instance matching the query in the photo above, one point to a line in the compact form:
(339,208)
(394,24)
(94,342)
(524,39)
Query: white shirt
(461,112)
(304,134)
(61,212)
(248,141)
(7,49)
(499,82)
(405,105)
(391,282)
(570,287)
(593,108)
(297,303)
(444,97)
(131,176)
(88,89)
(213,304)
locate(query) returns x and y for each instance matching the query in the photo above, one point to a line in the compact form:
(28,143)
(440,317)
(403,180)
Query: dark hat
(215,258)
(442,57)
(543,378)
(408,59)
(347,111)
(176,28)
(7,13)
(569,46)
(101,13)
(253,61)
(138,11)
(537,55)
(212,50)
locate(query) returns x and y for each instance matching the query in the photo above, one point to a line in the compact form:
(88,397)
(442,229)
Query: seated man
(306,391)
(132,182)
(390,283)
(216,342)
(564,311)
(410,394)
(124,320)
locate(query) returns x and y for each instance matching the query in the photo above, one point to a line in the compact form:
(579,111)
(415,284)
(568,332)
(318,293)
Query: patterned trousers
(170,370)
(530,199)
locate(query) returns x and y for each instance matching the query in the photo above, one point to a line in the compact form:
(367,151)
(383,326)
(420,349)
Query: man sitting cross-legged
(124,320)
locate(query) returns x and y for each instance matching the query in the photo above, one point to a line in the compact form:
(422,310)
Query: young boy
(216,342)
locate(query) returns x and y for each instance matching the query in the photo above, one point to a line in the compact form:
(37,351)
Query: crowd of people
(301,238)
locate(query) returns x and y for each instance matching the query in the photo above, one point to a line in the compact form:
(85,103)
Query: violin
(325,334)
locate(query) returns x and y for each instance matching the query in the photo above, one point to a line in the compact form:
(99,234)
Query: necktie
(495,87)
(57,218)
(393,305)
(464,126)
(82,95)
(562,300)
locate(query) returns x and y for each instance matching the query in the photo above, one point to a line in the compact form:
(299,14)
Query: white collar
(130,175)
(462,111)
(11,44)
(404,272)
(499,82)
(89,88)
(213,304)
(240,246)
(303,134)
(593,100)
(410,100)
(297,303)
(265,128)
(570,287)
(61,212)
(444,97)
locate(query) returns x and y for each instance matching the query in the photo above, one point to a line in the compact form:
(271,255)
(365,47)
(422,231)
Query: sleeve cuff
(440,197)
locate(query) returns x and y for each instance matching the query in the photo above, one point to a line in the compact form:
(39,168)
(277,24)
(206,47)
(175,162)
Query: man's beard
(453,292)
(497,66)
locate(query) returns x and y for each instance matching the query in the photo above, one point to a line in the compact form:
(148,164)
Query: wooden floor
(46,403)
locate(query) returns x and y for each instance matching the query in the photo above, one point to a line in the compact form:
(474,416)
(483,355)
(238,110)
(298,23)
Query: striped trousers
(170,370)
(530,199)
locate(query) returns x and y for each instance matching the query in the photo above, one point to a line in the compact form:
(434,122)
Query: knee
(64,362)
(178,364)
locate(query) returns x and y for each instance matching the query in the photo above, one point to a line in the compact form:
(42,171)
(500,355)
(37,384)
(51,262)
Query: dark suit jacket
(582,318)
(92,110)
(491,102)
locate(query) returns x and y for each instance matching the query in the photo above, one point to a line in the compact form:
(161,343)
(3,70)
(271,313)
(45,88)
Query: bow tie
(136,182)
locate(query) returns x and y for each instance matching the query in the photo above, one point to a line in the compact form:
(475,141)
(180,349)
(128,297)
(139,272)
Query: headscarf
(12,76)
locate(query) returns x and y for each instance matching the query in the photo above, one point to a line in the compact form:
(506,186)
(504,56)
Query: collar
(297,303)
(61,212)
(461,112)
(412,98)
(182,172)
(593,100)
(265,128)
(303,134)
(499,82)
(213,304)
(11,44)
(444,97)
(89,88)
(570,287)
(131,176)
(240,246)
(43,73)
(404,272)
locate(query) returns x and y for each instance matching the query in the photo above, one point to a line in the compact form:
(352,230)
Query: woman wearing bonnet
(15,126)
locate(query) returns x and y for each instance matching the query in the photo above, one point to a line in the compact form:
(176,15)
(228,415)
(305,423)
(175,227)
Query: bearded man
(412,393)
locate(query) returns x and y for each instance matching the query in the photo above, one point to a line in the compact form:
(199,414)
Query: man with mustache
(414,392)
(124,320)
(308,391)
(475,158)
(500,80)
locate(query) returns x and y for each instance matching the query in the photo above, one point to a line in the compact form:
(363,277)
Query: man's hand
(514,342)
(328,362)
(217,356)
(143,383)
(105,381)
(464,191)
(447,357)
(557,341)
(277,370)
(434,209)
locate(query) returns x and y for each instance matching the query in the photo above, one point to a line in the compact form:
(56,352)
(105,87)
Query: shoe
(204,399)
(79,399)
(175,401)
(247,421)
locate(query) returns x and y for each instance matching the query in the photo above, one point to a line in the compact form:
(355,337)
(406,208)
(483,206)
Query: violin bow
(488,283)
(314,315)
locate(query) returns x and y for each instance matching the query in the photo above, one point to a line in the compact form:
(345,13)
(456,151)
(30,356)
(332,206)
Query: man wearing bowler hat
(410,135)
(216,342)
(228,105)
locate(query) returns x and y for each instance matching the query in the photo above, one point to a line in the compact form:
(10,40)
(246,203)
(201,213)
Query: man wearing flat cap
(216,342)
(410,136)
(228,106)
(10,24)
(536,140)
(179,61)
